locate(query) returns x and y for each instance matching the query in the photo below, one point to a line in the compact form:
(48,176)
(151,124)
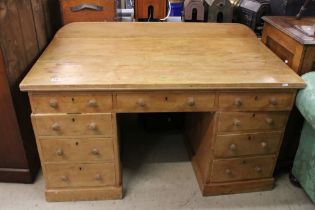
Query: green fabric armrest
(305,100)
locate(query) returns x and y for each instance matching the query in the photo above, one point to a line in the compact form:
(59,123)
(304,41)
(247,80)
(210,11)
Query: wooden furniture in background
(150,9)
(87,10)
(237,104)
(294,42)
(26,27)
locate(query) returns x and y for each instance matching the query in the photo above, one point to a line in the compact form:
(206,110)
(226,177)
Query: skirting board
(84,193)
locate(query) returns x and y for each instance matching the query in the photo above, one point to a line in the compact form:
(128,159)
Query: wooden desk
(237,95)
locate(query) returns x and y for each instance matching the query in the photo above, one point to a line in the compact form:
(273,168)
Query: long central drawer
(73,124)
(165,102)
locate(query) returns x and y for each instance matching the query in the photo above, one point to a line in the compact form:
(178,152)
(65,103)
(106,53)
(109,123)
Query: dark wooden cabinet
(286,37)
(26,26)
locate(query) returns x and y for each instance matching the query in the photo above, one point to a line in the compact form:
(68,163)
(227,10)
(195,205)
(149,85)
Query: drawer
(71,103)
(80,175)
(165,102)
(258,101)
(233,145)
(73,124)
(87,10)
(242,169)
(249,121)
(77,150)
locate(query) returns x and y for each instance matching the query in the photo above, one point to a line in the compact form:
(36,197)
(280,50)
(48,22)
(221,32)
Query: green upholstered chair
(304,163)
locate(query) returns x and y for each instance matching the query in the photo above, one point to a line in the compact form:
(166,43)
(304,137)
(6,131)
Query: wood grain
(238,169)
(75,150)
(76,125)
(80,175)
(234,145)
(252,121)
(238,59)
(71,103)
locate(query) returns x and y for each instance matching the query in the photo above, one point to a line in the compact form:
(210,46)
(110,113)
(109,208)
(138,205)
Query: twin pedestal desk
(237,95)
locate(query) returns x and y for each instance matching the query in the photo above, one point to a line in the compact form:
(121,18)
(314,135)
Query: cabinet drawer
(242,169)
(77,150)
(87,10)
(72,103)
(258,101)
(233,145)
(165,102)
(73,125)
(80,175)
(248,121)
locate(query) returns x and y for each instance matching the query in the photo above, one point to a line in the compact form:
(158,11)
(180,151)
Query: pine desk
(236,92)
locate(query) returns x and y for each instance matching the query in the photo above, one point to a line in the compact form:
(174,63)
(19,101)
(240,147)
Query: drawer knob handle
(273,101)
(98,177)
(141,102)
(92,103)
(53,103)
(93,126)
(95,151)
(263,144)
(228,171)
(233,147)
(237,123)
(258,169)
(59,152)
(191,102)
(269,121)
(238,102)
(65,178)
(55,127)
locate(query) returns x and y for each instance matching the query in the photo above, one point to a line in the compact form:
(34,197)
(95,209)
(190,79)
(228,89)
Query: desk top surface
(162,56)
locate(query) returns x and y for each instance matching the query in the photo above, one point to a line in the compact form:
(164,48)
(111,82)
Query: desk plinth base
(232,187)
(84,194)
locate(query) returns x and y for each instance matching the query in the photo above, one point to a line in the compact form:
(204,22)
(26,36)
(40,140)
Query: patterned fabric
(304,163)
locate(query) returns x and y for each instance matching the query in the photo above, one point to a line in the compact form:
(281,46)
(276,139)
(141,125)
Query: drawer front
(242,169)
(77,150)
(233,145)
(248,121)
(80,175)
(165,102)
(259,101)
(74,125)
(87,10)
(63,103)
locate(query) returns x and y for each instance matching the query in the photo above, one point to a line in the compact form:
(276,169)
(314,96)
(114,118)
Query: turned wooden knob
(64,178)
(191,101)
(237,123)
(95,151)
(92,126)
(141,102)
(55,127)
(92,103)
(238,102)
(269,121)
(258,169)
(263,144)
(98,177)
(273,101)
(59,152)
(228,171)
(53,103)
(233,147)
